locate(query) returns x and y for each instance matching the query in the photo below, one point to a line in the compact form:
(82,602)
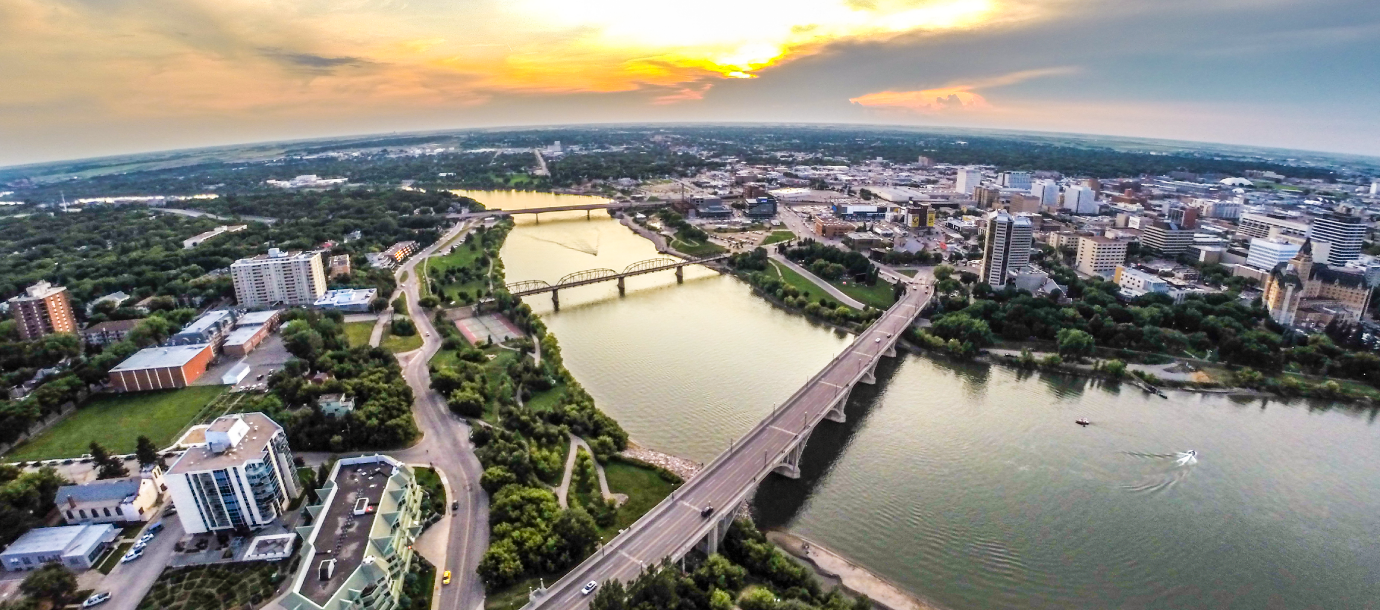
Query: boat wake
(1170,469)
(582,247)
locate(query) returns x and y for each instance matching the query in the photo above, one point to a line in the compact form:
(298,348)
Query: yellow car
(445,578)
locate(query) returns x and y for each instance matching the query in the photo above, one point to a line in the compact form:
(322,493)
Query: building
(210,327)
(1008,247)
(828,227)
(106,333)
(1166,238)
(1304,293)
(289,278)
(1048,192)
(242,476)
(127,500)
(966,180)
(118,298)
(1266,254)
(1135,283)
(1260,226)
(1343,234)
(1024,204)
(858,211)
(401,250)
(710,208)
(1080,200)
(197,240)
(1212,208)
(1098,255)
(162,368)
(359,546)
(920,216)
(335,404)
(1182,215)
(761,208)
(339,265)
(355,300)
(74,546)
(243,340)
(43,309)
(864,241)
(1015,180)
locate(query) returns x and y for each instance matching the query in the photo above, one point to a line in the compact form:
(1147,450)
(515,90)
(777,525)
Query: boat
(1082,422)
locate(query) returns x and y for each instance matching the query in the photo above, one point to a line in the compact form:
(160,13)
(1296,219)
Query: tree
(107,465)
(942,272)
(428,302)
(611,596)
(403,327)
(147,453)
(302,341)
(1074,343)
(466,403)
(500,566)
(53,582)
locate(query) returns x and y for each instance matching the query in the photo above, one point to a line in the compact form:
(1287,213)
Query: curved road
(446,446)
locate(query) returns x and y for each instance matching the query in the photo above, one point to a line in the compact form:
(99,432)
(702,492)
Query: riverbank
(835,569)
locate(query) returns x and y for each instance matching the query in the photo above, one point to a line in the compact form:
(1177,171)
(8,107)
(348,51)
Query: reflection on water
(969,484)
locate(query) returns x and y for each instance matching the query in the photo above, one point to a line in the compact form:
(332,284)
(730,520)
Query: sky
(84,78)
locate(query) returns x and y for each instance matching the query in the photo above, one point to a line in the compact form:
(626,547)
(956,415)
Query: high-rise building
(1166,238)
(1183,215)
(43,309)
(1099,255)
(1048,192)
(1266,254)
(1343,234)
(359,545)
(1080,200)
(287,278)
(966,180)
(1016,180)
(1008,247)
(242,475)
(1251,225)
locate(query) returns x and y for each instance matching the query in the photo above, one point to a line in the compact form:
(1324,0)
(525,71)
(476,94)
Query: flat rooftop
(206,321)
(161,357)
(251,447)
(344,536)
(257,318)
(241,335)
(345,296)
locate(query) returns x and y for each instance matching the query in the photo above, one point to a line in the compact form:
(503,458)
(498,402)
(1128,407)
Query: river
(969,484)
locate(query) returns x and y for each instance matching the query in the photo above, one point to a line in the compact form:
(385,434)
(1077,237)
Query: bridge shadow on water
(780,499)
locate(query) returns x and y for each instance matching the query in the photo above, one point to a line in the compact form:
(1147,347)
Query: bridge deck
(611,277)
(674,525)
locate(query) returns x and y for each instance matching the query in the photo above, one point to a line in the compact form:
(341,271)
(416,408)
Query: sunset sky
(82,78)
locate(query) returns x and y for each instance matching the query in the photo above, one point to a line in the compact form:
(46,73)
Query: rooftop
(201,458)
(161,357)
(98,491)
(206,321)
(256,318)
(344,536)
(40,290)
(242,335)
(113,326)
(345,296)
(58,540)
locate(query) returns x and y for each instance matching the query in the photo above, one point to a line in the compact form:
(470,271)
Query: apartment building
(1166,238)
(1135,283)
(1261,226)
(1099,255)
(43,309)
(1344,236)
(1266,254)
(359,546)
(289,278)
(240,474)
(1008,247)
(105,333)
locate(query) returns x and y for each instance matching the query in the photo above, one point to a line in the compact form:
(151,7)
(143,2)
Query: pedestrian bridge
(594,276)
(774,446)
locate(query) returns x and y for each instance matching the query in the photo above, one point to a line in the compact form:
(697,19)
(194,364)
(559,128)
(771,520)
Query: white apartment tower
(241,477)
(1008,247)
(1016,180)
(967,180)
(288,278)
(1344,236)
(1048,192)
(1080,200)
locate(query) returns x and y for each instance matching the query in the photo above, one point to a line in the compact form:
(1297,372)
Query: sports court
(478,329)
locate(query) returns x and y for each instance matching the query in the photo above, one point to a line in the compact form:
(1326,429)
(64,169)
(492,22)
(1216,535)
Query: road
(446,446)
(671,526)
(129,582)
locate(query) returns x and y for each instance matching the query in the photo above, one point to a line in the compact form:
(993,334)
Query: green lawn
(113,558)
(778,237)
(118,420)
(694,248)
(399,344)
(436,493)
(358,333)
(545,401)
(461,257)
(644,487)
(881,295)
(801,283)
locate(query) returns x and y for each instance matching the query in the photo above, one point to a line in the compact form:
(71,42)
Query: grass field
(398,344)
(358,333)
(801,283)
(644,487)
(118,420)
(881,295)
(112,559)
(460,258)
(778,237)
(545,401)
(694,248)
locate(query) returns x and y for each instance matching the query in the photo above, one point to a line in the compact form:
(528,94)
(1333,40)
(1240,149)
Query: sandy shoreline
(855,579)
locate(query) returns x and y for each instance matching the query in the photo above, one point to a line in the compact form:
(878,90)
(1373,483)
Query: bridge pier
(556,299)
(790,465)
(890,351)
(835,412)
(870,376)
(717,532)
(622,288)
(680,275)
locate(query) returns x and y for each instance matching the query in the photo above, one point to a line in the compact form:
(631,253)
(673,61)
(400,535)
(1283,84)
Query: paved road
(446,446)
(669,527)
(129,582)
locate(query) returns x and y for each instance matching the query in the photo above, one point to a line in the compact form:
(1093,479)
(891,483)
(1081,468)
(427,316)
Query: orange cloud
(953,97)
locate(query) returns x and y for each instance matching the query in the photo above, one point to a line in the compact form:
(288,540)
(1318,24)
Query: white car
(96,599)
(589,588)
(139,545)
(148,537)
(132,555)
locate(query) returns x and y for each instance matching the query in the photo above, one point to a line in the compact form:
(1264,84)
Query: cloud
(311,61)
(955,97)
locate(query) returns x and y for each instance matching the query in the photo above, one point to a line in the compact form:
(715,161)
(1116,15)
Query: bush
(403,327)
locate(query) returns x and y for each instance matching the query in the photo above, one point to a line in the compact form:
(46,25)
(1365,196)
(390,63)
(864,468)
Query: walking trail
(837,294)
(563,490)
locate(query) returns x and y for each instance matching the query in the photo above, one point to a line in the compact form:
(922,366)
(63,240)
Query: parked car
(454,506)
(155,528)
(96,599)
(139,545)
(132,555)
(589,587)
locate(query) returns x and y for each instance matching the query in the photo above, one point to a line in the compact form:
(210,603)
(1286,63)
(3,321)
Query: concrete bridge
(594,276)
(583,207)
(676,526)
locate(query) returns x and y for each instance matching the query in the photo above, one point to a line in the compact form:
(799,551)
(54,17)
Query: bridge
(594,276)
(583,207)
(675,526)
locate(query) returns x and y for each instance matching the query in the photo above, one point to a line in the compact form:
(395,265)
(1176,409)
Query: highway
(673,526)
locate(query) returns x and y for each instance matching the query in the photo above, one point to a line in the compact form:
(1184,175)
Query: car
(261,376)
(170,511)
(445,578)
(589,588)
(155,528)
(140,545)
(132,555)
(879,340)
(454,506)
(96,599)
(148,537)
(706,511)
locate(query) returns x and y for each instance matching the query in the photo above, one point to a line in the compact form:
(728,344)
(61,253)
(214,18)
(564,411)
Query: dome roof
(1236,182)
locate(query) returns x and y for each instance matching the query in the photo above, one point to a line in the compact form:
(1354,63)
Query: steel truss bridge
(594,276)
